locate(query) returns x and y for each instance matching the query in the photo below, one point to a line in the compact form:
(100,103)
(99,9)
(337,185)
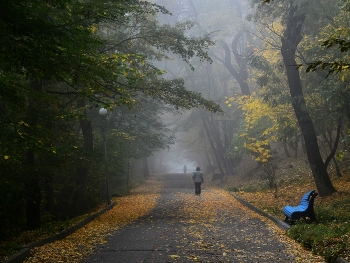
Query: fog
(203,137)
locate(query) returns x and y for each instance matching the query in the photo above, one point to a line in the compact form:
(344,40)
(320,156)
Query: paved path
(213,227)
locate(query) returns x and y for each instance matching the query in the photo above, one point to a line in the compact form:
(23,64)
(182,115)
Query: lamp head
(103,112)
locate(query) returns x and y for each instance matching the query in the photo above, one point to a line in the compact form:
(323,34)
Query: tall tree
(290,40)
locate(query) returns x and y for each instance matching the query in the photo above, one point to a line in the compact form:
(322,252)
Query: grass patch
(233,189)
(328,240)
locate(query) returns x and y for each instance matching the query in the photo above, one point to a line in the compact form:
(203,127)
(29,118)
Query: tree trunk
(337,169)
(145,167)
(214,149)
(80,204)
(290,40)
(49,193)
(48,175)
(33,194)
(296,143)
(31,180)
(332,146)
(215,133)
(229,162)
(302,143)
(286,152)
(241,76)
(208,160)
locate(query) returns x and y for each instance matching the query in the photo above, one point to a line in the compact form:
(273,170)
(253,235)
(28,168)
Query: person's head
(198,169)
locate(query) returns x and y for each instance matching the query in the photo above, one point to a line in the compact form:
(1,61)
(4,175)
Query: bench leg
(289,221)
(313,218)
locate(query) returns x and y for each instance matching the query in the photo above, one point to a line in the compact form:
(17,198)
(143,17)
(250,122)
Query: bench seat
(303,210)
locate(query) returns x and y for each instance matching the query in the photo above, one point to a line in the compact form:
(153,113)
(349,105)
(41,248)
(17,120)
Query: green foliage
(233,189)
(331,67)
(335,39)
(237,149)
(60,59)
(252,187)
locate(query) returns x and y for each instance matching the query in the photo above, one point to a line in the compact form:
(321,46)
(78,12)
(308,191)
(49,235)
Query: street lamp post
(103,114)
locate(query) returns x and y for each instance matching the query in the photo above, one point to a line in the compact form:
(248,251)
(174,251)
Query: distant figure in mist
(185,169)
(198,180)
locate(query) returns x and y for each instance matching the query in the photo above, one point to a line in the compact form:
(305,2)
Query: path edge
(281,224)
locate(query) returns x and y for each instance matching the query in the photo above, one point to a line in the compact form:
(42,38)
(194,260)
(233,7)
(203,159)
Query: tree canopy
(59,61)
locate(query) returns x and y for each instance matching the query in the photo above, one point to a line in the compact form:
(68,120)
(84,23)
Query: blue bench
(303,210)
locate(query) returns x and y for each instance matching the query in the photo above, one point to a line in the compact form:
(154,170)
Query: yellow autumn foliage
(255,109)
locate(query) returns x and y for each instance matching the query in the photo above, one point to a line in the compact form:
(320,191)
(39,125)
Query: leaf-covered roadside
(215,204)
(82,242)
(330,235)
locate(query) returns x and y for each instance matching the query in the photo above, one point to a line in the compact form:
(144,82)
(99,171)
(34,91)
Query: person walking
(198,180)
(185,169)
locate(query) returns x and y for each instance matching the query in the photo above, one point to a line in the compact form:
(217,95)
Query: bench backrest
(305,200)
